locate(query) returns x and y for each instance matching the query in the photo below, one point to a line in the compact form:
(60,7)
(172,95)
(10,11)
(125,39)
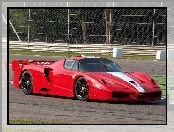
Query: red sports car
(84,78)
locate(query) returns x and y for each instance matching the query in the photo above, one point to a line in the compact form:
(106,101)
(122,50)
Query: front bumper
(123,96)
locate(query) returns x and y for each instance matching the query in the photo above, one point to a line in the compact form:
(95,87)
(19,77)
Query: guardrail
(4,42)
(86,48)
(170,46)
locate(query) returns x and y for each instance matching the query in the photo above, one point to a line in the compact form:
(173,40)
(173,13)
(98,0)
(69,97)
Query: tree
(107,20)
(83,27)
(18,18)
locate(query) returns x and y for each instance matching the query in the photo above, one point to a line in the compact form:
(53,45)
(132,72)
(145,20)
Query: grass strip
(49,53)
(161,80)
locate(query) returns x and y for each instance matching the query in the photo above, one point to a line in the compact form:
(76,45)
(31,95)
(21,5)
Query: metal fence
(126,26)
(104,49)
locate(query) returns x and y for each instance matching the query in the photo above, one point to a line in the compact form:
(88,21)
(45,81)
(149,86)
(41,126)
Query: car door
(63,78)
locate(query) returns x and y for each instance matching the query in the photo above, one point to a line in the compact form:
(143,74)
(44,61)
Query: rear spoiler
(16,64)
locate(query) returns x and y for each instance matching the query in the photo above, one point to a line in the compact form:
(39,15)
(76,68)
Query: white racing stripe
(127,79)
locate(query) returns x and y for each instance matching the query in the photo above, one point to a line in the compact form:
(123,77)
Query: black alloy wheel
(81,89)
(26,83)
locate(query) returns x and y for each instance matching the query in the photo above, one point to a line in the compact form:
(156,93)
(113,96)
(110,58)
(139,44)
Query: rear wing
(17,64)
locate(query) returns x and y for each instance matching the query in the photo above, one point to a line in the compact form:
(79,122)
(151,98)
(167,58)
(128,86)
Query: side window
(68,64)
(76,65)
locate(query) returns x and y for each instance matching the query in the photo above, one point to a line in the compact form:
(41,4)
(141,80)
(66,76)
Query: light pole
(110,20)
(153,27)
(29,19)
(68,22)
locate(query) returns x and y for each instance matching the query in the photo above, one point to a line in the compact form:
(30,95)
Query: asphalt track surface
(49,108)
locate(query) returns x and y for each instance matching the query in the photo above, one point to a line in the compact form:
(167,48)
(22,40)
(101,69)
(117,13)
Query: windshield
(98,65)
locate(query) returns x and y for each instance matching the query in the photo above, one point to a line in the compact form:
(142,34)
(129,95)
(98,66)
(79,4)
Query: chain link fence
(133,26)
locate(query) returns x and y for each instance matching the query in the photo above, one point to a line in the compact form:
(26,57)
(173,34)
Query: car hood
(121,78)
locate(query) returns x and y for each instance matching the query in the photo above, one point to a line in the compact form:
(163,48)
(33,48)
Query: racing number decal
(43,63)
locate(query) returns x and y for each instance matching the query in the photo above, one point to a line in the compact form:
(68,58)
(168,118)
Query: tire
(26,83)
(81,89)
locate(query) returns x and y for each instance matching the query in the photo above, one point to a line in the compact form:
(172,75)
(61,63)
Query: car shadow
(158,102)
(52,96)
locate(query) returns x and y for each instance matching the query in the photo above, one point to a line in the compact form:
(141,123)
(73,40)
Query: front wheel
(81,89)
(26,83)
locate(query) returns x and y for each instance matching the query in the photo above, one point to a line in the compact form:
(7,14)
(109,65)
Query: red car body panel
(51,77)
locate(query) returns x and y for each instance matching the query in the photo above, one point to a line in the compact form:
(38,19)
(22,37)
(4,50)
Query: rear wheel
(26,83)
(81,89)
